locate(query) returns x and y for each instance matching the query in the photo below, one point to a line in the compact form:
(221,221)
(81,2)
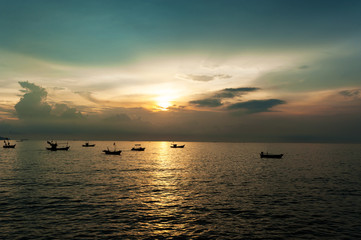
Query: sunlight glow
(163,102)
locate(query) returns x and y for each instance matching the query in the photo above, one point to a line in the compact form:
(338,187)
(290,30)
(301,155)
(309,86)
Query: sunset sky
(205,70)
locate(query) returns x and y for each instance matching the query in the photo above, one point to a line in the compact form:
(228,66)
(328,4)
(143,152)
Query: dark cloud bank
(248,107)
(40,120)
(255,106)
(351,93)
(216,99)
(33,105)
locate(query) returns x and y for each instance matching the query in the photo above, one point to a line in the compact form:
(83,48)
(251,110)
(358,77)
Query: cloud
(216,98)
(5,110)
(303,67)
(208,102)
(190,125)
(121,117)
(59,88)
(233,92)
(89,97)
(255,106)
(33,105)
(351,93)
(334,70)
(64,111)
(208,78)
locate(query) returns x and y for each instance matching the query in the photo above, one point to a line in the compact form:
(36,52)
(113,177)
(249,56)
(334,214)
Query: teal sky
(111,31)
(227,66)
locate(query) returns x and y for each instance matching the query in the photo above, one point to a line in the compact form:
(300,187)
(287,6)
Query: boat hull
(138,149)
(90,145)
(180,146)
(271,155)
(112,152)
(58,149)
(9,146)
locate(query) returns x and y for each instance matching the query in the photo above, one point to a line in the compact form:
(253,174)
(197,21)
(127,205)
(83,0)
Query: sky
(204,70)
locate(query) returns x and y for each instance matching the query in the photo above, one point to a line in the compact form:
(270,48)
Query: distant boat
(88,145)
(108,152)
(137,147)
(174,145)
(8,145)
(268,155)
(54,146)
(114,152)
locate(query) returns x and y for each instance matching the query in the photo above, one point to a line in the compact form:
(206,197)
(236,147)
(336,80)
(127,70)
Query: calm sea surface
(204,191)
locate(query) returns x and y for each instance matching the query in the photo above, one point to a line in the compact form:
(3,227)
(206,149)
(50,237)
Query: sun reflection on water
(165,198)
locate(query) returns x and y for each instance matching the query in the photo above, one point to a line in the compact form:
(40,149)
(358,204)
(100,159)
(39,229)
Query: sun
(163,103)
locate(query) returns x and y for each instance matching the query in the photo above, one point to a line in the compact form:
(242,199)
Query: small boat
(114,152)
(137,147)
(8,145)
(108,152)
(88,145)
(174,145)
(54,146)
(268,155)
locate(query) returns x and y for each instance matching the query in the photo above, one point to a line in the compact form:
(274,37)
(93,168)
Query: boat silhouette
(88,145)
(54,146)
(138,147)
(8,145)
(174,145)
(114,152)
(269,155)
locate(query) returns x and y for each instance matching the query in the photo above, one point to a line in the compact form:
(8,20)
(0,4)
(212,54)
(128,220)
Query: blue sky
(158,63)
(98,32)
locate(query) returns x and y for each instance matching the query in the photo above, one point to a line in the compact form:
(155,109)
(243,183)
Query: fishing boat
(174,145)
(269,155)
(138,147)
(54,146)
(88,145)
(8,145)
(114,152)
(109,152)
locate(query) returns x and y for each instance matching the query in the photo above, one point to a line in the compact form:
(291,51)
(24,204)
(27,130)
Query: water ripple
(204,191)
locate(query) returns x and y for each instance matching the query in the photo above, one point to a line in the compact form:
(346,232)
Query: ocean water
(204,191)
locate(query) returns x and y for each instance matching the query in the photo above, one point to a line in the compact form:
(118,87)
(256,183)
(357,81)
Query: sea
(206,190)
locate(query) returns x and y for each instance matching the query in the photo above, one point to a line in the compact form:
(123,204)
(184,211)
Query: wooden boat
(59,148)
(54,146)
(137,147)
(88,145)
(8,145)
(108,152)
(174,145)
(114,152)
(268,155)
